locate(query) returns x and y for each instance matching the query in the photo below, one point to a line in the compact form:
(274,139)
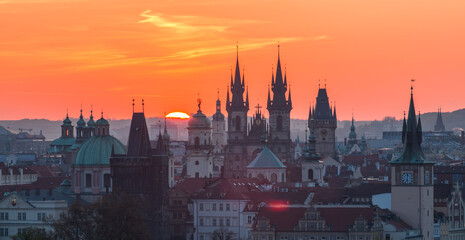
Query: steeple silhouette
(279,88)
(237,89)
(411,133)
(439,126)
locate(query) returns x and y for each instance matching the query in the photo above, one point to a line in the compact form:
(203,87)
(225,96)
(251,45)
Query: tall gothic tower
(237,108)
(279,110)
(412,179)
(322,119)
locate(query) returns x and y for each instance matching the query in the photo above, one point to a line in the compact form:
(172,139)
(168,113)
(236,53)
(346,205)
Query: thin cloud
(180,23)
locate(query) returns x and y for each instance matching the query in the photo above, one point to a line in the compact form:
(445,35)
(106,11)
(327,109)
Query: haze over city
(56,55)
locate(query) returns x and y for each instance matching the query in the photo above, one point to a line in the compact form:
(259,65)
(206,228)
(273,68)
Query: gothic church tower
(412,179)
(279,110)
(322,119)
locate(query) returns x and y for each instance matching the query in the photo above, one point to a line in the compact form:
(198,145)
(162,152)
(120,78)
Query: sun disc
(178,115)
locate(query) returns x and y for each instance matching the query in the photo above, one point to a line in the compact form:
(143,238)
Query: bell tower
(322,119)
(279,109)
(412,179)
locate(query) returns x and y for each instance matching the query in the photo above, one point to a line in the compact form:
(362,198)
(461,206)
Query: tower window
(238,123)
(196,142)
(279,123)
(67,132)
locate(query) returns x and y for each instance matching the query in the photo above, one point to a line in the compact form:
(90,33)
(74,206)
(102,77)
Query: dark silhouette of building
(322,119)
(243,140)
(143,172)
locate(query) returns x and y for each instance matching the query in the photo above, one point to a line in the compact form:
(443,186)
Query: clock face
(324,132)
(258,122)
(407,178)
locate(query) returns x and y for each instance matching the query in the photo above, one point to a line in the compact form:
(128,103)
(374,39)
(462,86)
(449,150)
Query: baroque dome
(97,151)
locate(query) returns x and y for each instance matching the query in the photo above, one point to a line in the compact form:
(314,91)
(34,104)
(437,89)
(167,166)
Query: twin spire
(237,89)
(279,88)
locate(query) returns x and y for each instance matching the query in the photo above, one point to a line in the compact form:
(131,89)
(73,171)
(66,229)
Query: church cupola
(199,129)
(80,128)
(67,128)
(102,127)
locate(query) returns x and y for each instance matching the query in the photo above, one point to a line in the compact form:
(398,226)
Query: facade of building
(312,166)
(323,222)
(412,190)
(199,149)
(19,211)
(14,175)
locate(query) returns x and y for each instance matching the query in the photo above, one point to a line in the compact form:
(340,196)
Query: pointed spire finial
(143,108)
(66,112)
(318,83)
(218,93)
(133,105)
(237,49)
(81,109)
(325,82)
(278,50)
(101,113)
(411,86)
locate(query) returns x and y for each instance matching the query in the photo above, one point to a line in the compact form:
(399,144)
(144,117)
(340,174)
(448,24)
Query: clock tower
(323,121)
(412,179)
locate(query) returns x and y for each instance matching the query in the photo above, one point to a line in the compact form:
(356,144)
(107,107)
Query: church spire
(439,126)
(279,88)
(412,152)
(237,87)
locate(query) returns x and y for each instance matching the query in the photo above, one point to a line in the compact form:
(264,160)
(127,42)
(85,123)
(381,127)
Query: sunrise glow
(178,115)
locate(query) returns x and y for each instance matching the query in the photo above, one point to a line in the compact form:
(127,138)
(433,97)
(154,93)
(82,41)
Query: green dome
(102,121)
(66,122)
(81,121)
(97,151)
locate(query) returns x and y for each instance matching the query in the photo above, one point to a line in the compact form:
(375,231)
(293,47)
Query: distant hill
(371,129)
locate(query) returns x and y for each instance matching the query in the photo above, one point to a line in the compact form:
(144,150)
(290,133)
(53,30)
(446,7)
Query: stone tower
(412,179)
(199,147)
(322,119)
(218,129)
(279,109)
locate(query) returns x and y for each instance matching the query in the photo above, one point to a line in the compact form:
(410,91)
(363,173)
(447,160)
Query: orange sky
(59,54)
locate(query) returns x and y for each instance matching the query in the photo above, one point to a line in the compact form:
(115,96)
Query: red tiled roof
(283,219)
(228,188)
(340,218)
(41,183)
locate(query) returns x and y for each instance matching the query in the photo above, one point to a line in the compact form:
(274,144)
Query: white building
(23,210)
(199,148)
(16,175)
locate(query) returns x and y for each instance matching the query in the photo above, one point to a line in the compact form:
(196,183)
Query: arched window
(274,178)
(196,142)
(196,162)
(238,123)
(310,173)
(279,123)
